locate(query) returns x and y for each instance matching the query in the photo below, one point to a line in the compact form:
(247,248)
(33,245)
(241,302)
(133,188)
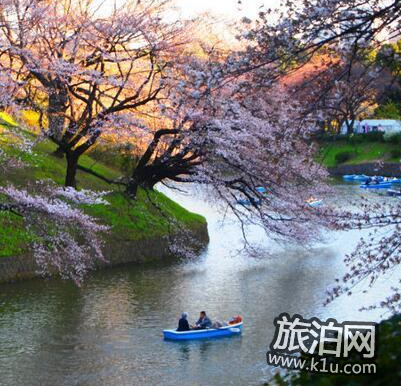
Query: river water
(109,331)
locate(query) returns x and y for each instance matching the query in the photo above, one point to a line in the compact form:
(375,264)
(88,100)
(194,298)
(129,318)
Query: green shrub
(389,110)
(395,153)
(393,138)
(354,139)
(373,136)
(343,156)
(329,137)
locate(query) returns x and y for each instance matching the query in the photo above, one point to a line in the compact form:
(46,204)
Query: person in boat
(376,180)
(218,324)
(203,322)
(369,180)
(183,324)
(236,319)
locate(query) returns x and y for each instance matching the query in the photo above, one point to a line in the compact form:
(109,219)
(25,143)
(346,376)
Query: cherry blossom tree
(238,141)
(84,75)
(376,255)
(225,121)
(172,148)
(84,70)
(283,40)
(53,222)
(64,240)
(296,31)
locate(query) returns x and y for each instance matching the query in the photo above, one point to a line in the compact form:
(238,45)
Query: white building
(387,126)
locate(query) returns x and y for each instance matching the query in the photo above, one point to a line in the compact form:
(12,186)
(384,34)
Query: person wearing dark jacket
(183,324)
(203,322)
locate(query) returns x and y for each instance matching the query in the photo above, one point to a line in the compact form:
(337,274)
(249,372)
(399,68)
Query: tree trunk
(72,166)
(141,177)
(347,128)
(132,188)
(350,124)
(55,112)
(144,174)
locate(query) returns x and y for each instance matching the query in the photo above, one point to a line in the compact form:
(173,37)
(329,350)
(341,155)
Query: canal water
(109,331)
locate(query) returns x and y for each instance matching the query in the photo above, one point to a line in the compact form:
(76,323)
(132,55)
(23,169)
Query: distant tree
(389,56)
(333,96)
(389,110)
(352,98)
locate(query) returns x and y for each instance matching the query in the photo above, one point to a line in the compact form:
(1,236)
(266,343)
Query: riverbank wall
(388,169)
(116,251)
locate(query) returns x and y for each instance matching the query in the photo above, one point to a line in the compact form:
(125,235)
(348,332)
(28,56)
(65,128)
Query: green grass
(128,219)
(42,165)
(361,152)
(131,220)
(14,237)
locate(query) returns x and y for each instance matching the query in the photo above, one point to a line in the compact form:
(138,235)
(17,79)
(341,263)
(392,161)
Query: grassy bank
(345,151)
(129,220)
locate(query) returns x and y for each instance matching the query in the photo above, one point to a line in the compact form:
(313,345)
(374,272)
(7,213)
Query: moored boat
(380,185)
(314,203)
(362,178)
(229,330)
(394,193)
(349,177)
(261,189)
(394,180)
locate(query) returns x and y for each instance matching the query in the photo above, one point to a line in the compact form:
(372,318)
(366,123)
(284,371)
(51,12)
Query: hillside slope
(150,216)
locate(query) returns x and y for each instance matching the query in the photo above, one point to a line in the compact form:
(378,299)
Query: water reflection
(109,331)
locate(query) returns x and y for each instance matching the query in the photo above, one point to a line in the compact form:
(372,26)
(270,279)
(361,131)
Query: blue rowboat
(356,177)
(381,185)
(315,203)
(361,177)
(261,189)
(230,330)
(349,177)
